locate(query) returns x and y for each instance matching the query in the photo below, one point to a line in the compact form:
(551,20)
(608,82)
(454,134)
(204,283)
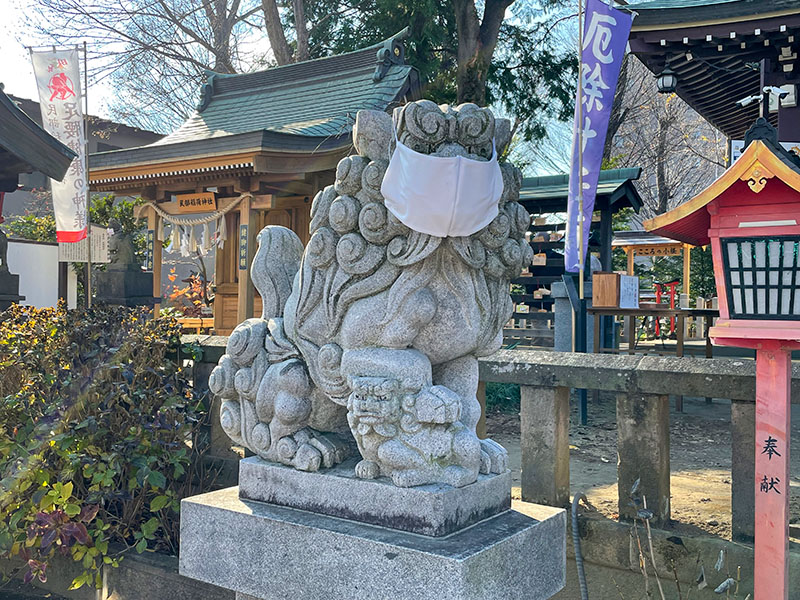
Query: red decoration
(751,218)
(61,86)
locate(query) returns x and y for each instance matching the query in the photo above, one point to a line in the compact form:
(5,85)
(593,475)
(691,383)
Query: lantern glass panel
(774,257)
(746,256)
(733,256)
(762,277)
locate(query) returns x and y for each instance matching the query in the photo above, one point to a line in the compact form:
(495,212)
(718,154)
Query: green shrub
(99,431)
(503,397)
(32,227)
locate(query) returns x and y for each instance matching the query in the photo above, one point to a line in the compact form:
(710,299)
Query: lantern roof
(763,159)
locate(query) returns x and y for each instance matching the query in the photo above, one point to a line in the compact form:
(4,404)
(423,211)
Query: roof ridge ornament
(756,177)
(206,91)
(761,130)
(391,52)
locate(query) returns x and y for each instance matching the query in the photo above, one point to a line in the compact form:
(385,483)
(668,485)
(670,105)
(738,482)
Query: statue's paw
(367,469)
(331,447)
(307,458)
(458,476)
(494,458)
(310,450)
(411,477)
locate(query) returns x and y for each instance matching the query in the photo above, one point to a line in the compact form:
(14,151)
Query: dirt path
(700,457)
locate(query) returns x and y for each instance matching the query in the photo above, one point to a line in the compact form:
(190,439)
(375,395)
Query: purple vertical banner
(605,36)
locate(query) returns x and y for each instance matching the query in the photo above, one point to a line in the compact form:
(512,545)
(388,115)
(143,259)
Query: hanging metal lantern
(667,81)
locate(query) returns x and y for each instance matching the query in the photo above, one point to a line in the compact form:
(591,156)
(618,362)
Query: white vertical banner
(58,78)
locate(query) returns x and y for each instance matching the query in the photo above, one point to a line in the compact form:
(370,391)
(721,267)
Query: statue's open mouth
(373,410)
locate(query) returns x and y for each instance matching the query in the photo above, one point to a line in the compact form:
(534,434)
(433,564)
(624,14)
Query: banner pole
(581,258)
(86,171)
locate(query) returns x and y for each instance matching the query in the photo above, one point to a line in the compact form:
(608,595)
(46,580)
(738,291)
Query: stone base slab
(433,510)
(266,552)
(125,288)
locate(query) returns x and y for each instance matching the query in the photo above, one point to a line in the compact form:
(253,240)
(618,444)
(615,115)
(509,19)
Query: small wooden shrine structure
(25,147)
(547,195)
(643,243)
(256,151)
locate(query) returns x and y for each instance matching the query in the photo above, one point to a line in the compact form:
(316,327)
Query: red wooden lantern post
(751,218)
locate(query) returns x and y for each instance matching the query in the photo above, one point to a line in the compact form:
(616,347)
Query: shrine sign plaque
(199,202)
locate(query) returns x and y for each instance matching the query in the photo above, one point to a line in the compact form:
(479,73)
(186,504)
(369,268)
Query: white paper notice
(628,291)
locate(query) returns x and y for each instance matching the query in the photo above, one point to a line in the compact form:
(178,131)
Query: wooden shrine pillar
(247,241)
(219,265)
(631,253)
(606,234)
(152,225)
(773,430)
(687,268)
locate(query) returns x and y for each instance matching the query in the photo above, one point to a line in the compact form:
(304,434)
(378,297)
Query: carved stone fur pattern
(370,337)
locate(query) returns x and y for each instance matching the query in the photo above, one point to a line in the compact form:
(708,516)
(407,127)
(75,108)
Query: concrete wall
(36,263)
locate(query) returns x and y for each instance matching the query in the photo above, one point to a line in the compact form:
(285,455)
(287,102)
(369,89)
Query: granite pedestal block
(433,510)
(126,288)
(563,317)
(268,552)
(9,290)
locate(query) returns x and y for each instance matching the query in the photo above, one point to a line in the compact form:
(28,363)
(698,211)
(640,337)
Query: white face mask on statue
(442,196)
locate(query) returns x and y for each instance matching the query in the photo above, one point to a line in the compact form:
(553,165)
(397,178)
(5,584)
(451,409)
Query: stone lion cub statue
(370,336)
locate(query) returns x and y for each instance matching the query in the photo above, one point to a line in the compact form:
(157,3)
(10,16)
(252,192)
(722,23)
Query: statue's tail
(276,262)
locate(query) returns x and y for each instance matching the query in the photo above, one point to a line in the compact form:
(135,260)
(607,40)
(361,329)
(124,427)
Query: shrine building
(718,55)
(255,152)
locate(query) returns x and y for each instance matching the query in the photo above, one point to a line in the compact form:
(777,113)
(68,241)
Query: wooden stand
(772,443)
(773,418)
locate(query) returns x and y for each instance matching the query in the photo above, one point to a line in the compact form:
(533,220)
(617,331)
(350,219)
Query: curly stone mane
(359,249)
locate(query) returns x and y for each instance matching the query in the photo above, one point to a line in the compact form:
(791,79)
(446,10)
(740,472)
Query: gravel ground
(700,457)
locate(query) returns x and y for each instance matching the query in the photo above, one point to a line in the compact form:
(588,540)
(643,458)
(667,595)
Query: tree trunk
(277,38)
(476,44)
(301,30)
(661,168)
(222,23)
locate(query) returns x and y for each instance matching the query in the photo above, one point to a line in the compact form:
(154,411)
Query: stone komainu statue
(373,333)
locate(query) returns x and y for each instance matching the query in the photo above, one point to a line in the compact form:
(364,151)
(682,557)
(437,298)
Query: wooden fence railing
(643,385)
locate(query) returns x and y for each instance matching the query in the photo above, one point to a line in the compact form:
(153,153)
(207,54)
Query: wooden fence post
(743,498)
(247,241)
(643,448)
(544,424)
